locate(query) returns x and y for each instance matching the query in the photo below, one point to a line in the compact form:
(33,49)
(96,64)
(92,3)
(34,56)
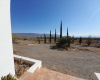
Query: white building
(6,51)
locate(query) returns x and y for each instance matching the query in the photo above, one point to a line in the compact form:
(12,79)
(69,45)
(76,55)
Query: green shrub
(69,41)
(64,43)
(8,77)
(24,38)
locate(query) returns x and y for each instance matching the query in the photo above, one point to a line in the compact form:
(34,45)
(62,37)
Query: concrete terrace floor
(77,63)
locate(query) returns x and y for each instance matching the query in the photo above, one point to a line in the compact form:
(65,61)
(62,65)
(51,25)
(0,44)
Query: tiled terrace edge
(37,63)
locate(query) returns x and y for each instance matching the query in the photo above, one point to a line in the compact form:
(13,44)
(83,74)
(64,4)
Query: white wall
(6,51)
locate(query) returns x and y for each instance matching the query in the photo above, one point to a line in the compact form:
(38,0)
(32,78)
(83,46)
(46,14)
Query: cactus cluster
(55,39)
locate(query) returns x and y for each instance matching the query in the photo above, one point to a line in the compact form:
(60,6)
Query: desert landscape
(78,60)
(50,40)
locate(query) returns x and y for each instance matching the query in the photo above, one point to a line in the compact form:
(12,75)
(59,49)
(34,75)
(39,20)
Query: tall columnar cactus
(67,33)
(50,36)
(80,40)
(44,38)
(61,30)
(68,39)
(55,35)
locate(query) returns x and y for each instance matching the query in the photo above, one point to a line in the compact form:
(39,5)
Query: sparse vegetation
(69,41)
(20,67)
(15,38)
(67,33)
(44,38)
(89,40)
(64,43)
(61,30)
(50,36)
(61,42)
(80,40)
(73,39)
(55,35)
(8,77)
(25,38)
(38,40)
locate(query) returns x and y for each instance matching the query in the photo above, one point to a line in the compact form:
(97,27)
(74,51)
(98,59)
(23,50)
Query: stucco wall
(6,51)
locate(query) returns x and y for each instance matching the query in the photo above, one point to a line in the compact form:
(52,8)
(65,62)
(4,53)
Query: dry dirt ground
(80,62)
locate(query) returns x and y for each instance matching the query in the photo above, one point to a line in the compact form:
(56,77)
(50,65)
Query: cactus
(67,33)
(50,36)
(44,38)
(55,35)
(61,30)
(80,40)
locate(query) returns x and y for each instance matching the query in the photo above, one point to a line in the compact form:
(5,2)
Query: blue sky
(82,17)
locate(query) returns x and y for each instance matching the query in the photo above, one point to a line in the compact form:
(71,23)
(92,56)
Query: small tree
(50,36)
(89,40)
(55,35)
(80,40)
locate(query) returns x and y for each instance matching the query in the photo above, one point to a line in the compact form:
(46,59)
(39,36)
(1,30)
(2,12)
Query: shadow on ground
(54,47)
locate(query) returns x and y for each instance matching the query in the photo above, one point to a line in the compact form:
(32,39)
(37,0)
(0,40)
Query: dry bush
(15,38)
(89,40)
(20,67)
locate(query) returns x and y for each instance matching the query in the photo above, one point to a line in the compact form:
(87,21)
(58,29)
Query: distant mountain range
(35,34)
(47,35)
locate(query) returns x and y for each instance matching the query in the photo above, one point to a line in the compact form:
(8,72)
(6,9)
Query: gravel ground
(77,63)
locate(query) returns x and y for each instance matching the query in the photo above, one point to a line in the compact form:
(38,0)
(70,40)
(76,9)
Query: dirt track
(79,63)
